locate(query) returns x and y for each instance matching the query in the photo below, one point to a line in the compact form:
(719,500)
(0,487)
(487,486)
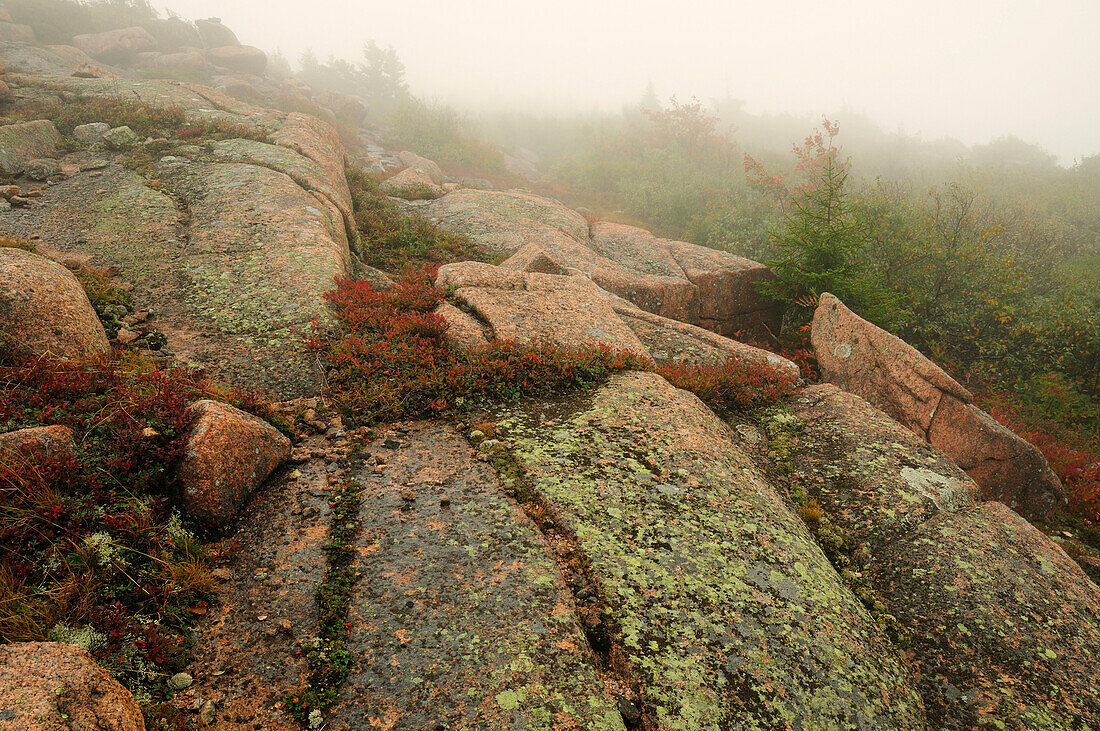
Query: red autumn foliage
(390,361)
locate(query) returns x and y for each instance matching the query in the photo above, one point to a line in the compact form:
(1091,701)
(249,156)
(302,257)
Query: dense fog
(973,70)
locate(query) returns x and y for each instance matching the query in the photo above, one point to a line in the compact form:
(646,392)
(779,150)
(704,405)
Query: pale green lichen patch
(460,618)
(872,477)
(726,612)
(1006,627)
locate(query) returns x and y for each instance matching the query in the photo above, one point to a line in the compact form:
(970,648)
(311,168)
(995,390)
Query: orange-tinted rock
(422,165)
(884,369)
(868,361)
(675,279)
(43,309)
(463,330)
(244,59)
(722,290)
(1009,468)
(49,686)
(1005,626)
(411,183)
(672,341)
(548,309)
(229,453)
(502,223)
(116,46)
(49,442)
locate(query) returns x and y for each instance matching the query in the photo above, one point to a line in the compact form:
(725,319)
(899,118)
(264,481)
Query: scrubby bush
(393,241)
(91,550)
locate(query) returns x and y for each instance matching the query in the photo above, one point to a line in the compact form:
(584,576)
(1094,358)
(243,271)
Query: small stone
(19,201)
(179,681)
(261,618)
(444,502)
(285,626)
(488,445)
(92,133)
(126,336)
(206,713)
(222,574)
(408,495)
(120,138)
(379,469)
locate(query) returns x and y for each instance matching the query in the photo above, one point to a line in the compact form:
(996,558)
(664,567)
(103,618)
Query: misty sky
(971,69)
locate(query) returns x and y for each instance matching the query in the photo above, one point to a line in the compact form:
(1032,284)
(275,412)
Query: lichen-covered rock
(1005,626)
(261,253)
(116,46)
(870,362)
(228,454)
(719,602)
(460,618)
(872,476)
(242,59)
(120,138)
(48,686)
(37,443)
(44,311)
(24,141)
(42,169)
(91,133)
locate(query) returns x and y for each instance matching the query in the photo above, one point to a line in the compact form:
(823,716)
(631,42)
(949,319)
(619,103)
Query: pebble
(179,681)
(206,713)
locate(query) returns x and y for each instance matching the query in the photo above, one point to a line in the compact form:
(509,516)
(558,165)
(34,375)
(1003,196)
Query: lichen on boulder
(723,608)
(228,454)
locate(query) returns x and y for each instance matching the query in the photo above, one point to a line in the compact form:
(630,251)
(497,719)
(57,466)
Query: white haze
(970,69)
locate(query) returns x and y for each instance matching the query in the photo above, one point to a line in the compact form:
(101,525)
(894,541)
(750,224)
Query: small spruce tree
(821,240)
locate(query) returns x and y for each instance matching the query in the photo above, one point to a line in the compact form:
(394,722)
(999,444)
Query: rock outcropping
(1003,624)
(868,361)
(572,312)
(674,279)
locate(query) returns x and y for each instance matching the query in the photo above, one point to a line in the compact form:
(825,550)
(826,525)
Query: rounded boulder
(44,311)
(229,453)
(51,685)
